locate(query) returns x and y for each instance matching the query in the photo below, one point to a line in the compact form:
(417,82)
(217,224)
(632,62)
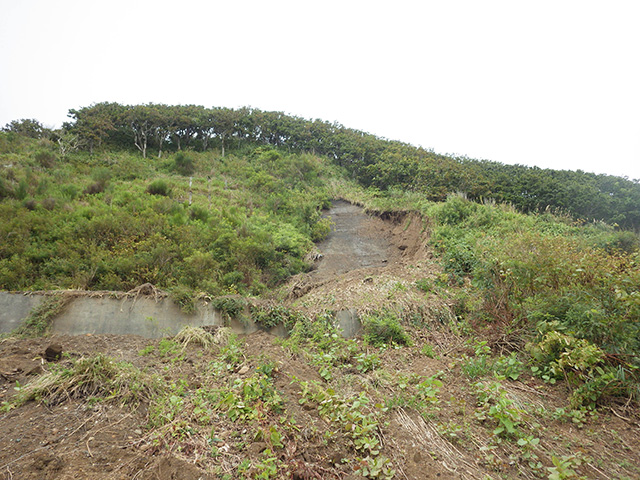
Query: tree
(162,124)
(185,124)
(226,122)
(94,124)
(27,127)
(67,141)
(143,121)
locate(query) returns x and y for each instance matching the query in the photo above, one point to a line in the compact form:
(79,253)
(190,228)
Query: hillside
(495,343)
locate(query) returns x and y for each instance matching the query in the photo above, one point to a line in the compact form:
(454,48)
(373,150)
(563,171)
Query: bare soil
(368,263)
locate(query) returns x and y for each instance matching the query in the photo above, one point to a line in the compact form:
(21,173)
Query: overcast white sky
(548,83)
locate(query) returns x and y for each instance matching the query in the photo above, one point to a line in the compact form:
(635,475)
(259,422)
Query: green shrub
(185,298)
(198,213)
(321,229)
(270,316)
(454,211)
(230,306)
(46,159)
(159,187)
(383,329)
(183,163)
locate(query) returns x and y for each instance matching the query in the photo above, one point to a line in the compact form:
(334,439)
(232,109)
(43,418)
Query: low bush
(183,163)
(384,329)
(159,187)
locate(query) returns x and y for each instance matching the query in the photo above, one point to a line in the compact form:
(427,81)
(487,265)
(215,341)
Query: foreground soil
(316,408)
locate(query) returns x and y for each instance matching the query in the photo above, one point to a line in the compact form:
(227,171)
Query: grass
(97,378)
(195,336)
(40,317)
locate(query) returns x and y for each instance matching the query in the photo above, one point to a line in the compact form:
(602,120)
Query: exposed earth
(283,426)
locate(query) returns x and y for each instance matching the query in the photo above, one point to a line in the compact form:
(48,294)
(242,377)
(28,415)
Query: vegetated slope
(191,223)
(496,344)
(419,396)
(374,162)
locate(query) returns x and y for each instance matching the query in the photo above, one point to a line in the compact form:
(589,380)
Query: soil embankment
(357,240)
(365,261)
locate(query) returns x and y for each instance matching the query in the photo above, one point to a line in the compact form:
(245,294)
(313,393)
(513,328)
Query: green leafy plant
(497,406)
(185,298)
(564,468)
(367,362)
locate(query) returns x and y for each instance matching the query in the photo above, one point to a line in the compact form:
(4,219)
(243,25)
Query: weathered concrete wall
(348,323)
(142,316)
(14,309)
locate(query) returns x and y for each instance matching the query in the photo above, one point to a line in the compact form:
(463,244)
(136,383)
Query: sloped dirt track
(367,262)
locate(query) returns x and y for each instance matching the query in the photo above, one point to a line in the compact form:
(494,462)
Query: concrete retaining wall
(15,308)
(142,316)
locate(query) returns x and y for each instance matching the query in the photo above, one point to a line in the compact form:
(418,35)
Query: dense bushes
(116,221)
(570,289)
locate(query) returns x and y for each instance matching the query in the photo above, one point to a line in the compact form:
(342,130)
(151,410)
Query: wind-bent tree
(96,123)
(162,126)
(371,160)
(226,121)
(143,121)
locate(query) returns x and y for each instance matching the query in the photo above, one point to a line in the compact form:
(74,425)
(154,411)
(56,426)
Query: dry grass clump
(199,336)
(99,378)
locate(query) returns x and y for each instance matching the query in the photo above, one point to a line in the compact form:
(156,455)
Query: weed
(269,317)
(429,388)
(40,318)
(427,351)
(149,349)
(509,367)
(497,406)
(185,298)
(452,431)
(168,348)
(578,417)
(266,468)
(245,398)
(357,421)
(564,468)
(425,285)
(230,306)
(367,362)
(377,467)
(232,351)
